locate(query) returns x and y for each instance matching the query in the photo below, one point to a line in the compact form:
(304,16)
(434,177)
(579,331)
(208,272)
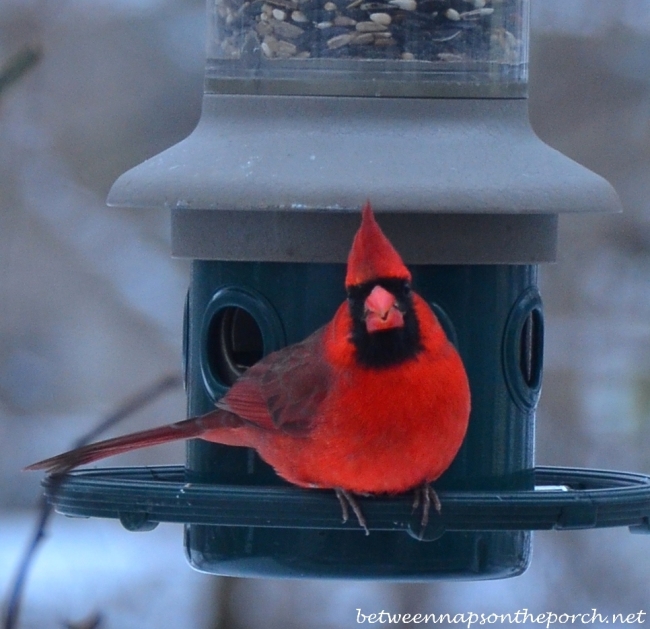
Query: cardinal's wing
(285,389)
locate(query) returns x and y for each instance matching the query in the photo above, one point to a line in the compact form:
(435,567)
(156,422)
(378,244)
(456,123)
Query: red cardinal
(376,401)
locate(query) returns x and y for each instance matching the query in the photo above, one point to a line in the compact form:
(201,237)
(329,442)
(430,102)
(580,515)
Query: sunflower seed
(338,41)
(370,27)
(475,14)
(285,30)
(285,49)
(344,20)
(361,39)
(381,18)
(406,5)
(384,41)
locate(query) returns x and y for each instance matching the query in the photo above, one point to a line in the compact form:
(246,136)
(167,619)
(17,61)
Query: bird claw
(427,496)
(346,498)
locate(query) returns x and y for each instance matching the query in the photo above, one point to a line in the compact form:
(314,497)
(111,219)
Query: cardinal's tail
(186,429)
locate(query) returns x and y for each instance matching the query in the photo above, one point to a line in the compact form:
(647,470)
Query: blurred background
(91,311)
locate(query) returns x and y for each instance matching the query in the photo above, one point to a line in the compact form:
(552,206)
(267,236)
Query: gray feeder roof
(282,178)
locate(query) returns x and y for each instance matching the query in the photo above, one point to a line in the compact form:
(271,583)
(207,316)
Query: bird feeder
(310,107)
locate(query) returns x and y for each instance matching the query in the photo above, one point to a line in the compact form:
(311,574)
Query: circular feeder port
(235,343)
(239,328)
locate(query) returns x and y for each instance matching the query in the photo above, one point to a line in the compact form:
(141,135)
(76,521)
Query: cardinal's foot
(426,496)
(345,499)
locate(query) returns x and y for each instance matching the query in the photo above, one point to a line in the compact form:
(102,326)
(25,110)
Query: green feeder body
(493,314)
(297,130)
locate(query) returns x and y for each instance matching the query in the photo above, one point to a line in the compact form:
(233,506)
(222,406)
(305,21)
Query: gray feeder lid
(282,178)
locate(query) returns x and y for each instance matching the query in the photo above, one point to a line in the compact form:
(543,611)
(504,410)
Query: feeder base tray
(563,498)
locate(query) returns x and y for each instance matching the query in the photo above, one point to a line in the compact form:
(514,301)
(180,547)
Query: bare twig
(131,406)
(18,65)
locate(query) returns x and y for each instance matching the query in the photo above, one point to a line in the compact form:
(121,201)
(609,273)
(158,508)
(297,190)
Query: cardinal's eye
(407,289)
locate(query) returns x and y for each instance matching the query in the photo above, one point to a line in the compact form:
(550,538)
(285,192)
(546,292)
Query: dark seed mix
(427,30)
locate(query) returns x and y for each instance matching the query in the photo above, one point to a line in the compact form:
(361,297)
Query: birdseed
(440,31)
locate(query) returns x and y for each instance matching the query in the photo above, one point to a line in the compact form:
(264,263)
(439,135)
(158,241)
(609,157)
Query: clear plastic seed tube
(461,41)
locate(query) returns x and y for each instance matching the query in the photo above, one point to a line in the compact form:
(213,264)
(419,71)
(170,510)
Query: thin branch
(128,408)
(18,65)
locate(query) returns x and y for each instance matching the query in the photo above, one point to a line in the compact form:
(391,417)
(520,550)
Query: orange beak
(381,311)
